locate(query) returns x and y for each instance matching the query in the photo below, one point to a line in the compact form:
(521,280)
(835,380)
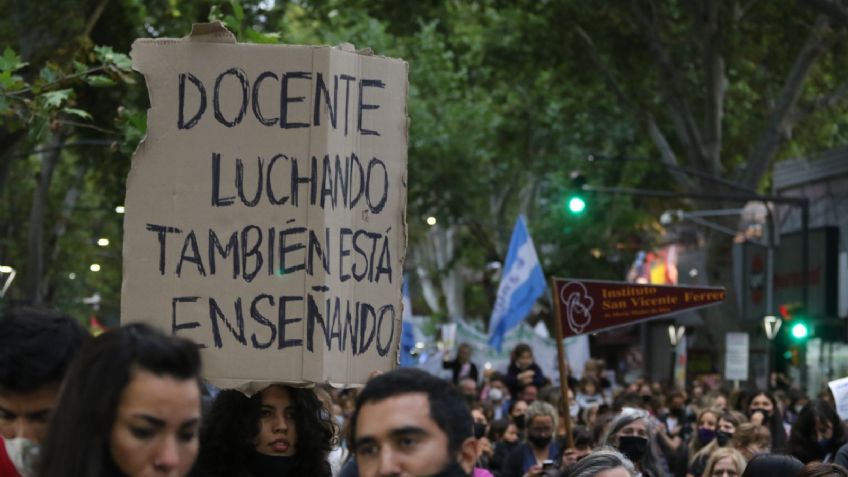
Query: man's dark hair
(36,347)
(447,407)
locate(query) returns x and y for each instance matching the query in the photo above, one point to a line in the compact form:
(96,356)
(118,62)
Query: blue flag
(407,336)
(521,284)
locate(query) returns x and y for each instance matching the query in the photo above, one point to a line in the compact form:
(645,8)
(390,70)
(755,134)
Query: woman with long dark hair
(817,433)
(763,409)
(129,406)
(281,431)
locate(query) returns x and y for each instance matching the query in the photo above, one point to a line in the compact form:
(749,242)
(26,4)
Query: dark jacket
(456,367)
(522,458)
(511,378)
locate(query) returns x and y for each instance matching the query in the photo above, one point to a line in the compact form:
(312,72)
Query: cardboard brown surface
(265,209)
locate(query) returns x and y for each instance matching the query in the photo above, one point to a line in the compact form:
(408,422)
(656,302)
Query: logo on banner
(578,305)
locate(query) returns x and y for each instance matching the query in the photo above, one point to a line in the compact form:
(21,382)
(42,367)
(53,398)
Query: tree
(723,87)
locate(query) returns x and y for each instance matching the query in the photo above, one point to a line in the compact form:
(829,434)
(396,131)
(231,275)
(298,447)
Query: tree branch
(779,125)
(833,8)
(822,102)
(715,84)
(95,16)
(679,110)
(667,154)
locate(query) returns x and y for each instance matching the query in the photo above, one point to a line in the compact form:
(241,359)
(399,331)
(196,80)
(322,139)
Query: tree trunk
(68,205)
(33,283)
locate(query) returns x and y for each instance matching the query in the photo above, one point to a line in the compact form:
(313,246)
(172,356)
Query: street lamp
(11,272)
(675,334)
(772,325)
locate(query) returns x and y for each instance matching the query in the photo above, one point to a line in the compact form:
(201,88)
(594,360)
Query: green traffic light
(576,205)
(800,331)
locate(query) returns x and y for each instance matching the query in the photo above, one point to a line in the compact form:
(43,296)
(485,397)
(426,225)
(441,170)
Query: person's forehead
(160,396)
(542,420)
(276,395)
(378,419)
(638,424)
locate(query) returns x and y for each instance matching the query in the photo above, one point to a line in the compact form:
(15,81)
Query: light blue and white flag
(407,337)
(521,284)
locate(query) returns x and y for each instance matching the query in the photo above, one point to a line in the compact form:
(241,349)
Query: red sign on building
(585,306)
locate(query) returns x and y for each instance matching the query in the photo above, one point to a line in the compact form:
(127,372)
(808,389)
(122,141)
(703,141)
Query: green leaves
(10,61)
(100,81)
(110,59)
(54,99)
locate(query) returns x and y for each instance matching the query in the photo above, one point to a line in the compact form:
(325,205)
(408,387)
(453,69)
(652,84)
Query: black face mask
(261,464)
(451,470)
(722,438)
(479,430)
(519,421)
(766,414)
(539,441)
(633,447)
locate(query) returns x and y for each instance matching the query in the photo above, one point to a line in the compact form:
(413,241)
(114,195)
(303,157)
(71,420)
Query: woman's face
(277,431)
(707,421)
(761,401)
(156,424)
(511,434)
(824,429)
(519,409)
(636,428)
(524,360)
(726,426)
(720,402)
(725,468)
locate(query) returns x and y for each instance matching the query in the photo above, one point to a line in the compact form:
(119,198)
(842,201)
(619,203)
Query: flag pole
(563,377)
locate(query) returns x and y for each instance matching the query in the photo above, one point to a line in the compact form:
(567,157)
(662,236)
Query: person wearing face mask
(704,432)
(762,409)
(36,348)
(817,433)
(526,460)
(629,433)
(498,397)
(506,438)
(727,424)
(517,409)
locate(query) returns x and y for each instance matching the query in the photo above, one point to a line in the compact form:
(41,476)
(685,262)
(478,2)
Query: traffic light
(576,202)
(800,330)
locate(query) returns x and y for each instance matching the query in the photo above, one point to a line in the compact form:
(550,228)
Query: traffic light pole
(803,203)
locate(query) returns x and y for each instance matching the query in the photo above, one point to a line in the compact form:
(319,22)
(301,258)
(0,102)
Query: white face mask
(495,394)
(23,453)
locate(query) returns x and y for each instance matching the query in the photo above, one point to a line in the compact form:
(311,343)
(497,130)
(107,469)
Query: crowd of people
(131,402)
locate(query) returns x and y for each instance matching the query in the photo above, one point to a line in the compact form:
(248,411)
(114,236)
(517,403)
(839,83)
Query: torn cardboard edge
(211,33)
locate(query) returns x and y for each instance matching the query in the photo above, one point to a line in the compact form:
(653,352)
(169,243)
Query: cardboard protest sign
(265,209)
(585,306)
(839,388)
